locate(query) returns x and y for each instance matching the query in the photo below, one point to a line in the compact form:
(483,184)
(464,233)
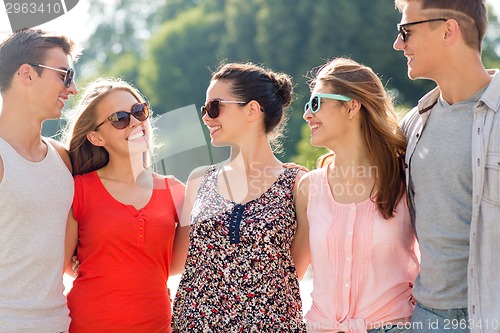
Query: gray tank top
(35,198)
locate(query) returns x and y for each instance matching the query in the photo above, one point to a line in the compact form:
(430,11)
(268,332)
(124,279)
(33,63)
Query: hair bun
(284,86)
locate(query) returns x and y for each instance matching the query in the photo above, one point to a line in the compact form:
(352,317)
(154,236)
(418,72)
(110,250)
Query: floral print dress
(239,275)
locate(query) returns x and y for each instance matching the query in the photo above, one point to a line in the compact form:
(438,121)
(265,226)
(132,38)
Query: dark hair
(472,16)
(382,135)
(273,91)
(30,46)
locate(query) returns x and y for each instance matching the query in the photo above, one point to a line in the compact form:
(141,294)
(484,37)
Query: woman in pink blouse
(363,249)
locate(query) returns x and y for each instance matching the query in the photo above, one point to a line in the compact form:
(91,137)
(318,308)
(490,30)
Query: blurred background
(168,49)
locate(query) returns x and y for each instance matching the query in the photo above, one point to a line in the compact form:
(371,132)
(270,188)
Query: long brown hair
(86,157)
(382,135)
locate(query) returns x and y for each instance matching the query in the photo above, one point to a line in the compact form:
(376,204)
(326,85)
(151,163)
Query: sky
(75,23)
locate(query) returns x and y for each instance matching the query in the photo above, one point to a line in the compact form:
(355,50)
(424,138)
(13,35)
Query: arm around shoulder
(300,245)
(177,190)
(181,241)
(70,243)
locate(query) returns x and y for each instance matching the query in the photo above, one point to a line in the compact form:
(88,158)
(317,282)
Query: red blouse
(125,258)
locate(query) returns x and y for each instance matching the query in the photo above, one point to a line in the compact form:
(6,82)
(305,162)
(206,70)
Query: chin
(138,147)
(218,143)
(315,142)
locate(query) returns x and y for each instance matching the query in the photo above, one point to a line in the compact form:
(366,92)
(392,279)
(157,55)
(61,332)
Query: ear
(254,110)
(95,139)
(452,31)
(353,107)
(26,72)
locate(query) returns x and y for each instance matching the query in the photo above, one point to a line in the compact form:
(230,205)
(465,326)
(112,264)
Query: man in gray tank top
(36,186)
(453,166)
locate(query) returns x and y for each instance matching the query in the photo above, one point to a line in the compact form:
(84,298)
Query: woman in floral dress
(239,274)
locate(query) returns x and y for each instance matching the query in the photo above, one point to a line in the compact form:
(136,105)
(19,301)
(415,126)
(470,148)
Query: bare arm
(177,189)
(181,242)
(70,243)
(300,246)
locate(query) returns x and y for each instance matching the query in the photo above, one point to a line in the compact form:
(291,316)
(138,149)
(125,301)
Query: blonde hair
(385,142)
(86,157)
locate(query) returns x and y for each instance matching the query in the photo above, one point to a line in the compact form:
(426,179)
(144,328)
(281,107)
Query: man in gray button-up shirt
(453,166)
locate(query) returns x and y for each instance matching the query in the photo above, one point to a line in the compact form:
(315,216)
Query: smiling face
(422,47)
(49,90)
(330,122)
(227,128)
(132,139)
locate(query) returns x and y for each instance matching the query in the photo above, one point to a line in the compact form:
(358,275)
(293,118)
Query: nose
(134,121)
(72,90)
(307,114)
(398,44)
(205,117)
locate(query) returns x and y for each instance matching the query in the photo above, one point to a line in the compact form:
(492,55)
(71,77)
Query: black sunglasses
(68,73)
(212,108)
(403,32)
(121,119)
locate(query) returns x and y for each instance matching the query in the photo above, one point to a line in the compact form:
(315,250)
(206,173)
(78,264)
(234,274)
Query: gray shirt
(484,238)
(442,182)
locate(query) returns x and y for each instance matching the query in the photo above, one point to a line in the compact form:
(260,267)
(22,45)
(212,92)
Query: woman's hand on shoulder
(291,165)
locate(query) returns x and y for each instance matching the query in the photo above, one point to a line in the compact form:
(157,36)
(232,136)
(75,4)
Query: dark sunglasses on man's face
(68,73)
(212,108)
(121,119)
(403,31)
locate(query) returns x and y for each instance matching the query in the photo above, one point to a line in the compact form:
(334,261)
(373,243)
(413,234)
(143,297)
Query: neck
(18,128)
(252,157)
(127,170)
(350,151)
(459,82)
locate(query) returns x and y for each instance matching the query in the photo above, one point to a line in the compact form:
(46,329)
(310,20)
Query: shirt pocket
(492,178)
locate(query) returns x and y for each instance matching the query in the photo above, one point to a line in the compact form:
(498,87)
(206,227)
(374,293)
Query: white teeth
(62,100)
(313,127)
(215,128)
(135,136)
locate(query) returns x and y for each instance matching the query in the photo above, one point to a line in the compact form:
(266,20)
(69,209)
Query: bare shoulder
(198,173)
(172,181)
(300,175)
(196,176)
(63,152)
(302,187)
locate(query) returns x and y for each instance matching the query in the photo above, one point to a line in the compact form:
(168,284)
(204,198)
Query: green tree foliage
(491,45)
(176,72)
(240,29)
(168,47)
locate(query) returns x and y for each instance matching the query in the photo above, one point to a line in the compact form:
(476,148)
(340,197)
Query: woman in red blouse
(123,219)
